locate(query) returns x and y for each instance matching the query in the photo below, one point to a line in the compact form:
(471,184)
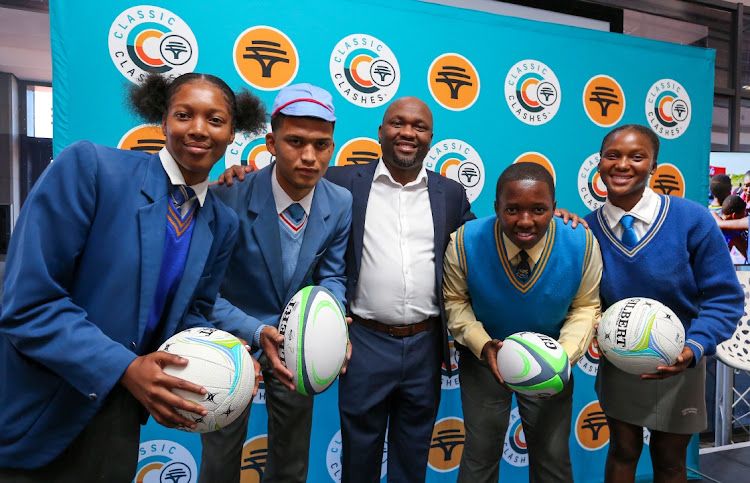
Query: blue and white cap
(304,100)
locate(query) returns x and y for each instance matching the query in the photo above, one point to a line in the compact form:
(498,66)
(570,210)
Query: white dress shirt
(644,213)
(176,178)
(397,272)
(283,200)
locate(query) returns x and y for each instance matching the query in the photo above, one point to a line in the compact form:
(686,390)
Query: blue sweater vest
(683,262)
(502,302)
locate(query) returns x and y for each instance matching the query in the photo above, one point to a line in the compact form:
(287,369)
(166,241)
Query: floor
(725,464)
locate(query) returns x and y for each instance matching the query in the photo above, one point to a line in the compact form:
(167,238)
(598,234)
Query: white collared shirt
(283,200)
(397,273)
(644,212)
(535,252)
(176,178)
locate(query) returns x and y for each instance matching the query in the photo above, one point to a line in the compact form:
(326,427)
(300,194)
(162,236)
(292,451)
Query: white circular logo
(515,450)
(164,461)
(591,189)
(249,150)
(532,92)
(333,457)
(146,39)
(589,363)
(450,382)
(668,108)
(457,160)
(364,70)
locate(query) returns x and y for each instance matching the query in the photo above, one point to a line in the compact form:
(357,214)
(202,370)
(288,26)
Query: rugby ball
(219,362)
(315,339)
(533,364)
(639,334)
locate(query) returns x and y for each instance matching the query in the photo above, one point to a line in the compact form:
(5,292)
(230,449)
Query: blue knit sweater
(683,262)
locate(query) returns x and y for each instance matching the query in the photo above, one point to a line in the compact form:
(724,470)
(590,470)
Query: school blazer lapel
(315,230)
(265,229)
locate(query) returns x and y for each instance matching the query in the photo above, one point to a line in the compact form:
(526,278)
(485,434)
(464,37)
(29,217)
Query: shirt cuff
(256,335)
(697,352)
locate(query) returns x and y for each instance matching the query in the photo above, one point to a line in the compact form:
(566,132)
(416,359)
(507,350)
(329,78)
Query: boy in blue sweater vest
(518,270)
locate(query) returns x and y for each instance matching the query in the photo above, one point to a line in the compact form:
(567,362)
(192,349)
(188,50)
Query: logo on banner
(592,431)
(589,363)
(515,450)
(146,39)
(265,58)
(668,180)
(540,159)
(260,398)
(591,189)
(146,137)
(249,149)
(161,460)
(333,457)
(364,70)
(358,151)
(668,108)
(452,381)
(532,92)
(457,160)
(447,445)
(604,100)
(254,456)
(453,82)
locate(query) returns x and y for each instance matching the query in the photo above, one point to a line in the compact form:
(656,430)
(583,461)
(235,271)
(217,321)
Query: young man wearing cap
(294,228)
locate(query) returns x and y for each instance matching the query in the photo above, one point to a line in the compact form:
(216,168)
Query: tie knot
(181,193)
(296,212)
(627,221)
(524,256)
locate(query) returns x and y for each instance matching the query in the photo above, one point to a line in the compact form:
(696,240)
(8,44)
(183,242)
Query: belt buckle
(390,331)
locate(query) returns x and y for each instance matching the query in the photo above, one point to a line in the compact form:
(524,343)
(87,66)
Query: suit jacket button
(132,344)
(93,396)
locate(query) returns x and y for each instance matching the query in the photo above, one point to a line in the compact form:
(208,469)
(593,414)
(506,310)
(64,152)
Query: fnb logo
(668,180)
(668,108)
(447,445)
(603,100)
(592,431)
(254,456)
(453,82)
(149,39)
(540,159)
(146,137)
(358,151)
(165,461)
(532,92)
(265,58)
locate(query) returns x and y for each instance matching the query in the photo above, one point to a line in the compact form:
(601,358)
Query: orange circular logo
(538,158)
(592,431)
(453,82)
(447,445)
(603,100)
(265,58)
(358,151)
(668,180)
(146,137)
(254,455)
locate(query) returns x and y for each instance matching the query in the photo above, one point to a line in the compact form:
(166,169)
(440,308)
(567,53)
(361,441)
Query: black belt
(398,330)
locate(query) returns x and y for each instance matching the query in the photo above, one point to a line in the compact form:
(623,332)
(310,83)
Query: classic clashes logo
(254,456)
(146,137)
(147,39)
(364,70)
(603,100)
(265,58)
(249,149)
(447,445)
(668,180)
(589,363)
(515,450)
(540,159)
(450,382)
(358,151)
(457,160)
(532,92)
(668,108)
(592,431)
(453,82)
(333,457)
(161,460)
(591,189)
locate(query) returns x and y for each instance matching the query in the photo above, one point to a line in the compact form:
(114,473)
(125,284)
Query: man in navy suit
(403,215)
(294,228)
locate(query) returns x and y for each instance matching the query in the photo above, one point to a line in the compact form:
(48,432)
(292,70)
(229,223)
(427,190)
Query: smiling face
(303,147)
(198,127)
(525,210)
(627,161)
(405,137)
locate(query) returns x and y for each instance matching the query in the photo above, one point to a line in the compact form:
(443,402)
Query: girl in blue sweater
(677,256)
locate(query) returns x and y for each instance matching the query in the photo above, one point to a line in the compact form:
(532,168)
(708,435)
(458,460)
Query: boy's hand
(489,354)
(234,171)
(572,217)
(270,339)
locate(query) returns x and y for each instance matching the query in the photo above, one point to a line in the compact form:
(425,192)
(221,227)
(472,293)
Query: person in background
(635,228)
(114,251)
(720,187)
(733,208)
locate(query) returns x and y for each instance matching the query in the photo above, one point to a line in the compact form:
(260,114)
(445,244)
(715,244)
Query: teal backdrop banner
(502,90)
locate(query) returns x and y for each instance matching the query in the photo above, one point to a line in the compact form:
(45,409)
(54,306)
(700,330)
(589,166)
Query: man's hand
(234,171)
(149,384)
(489,354)
(572,217)
(348,349)
(269,342)
(683,360)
